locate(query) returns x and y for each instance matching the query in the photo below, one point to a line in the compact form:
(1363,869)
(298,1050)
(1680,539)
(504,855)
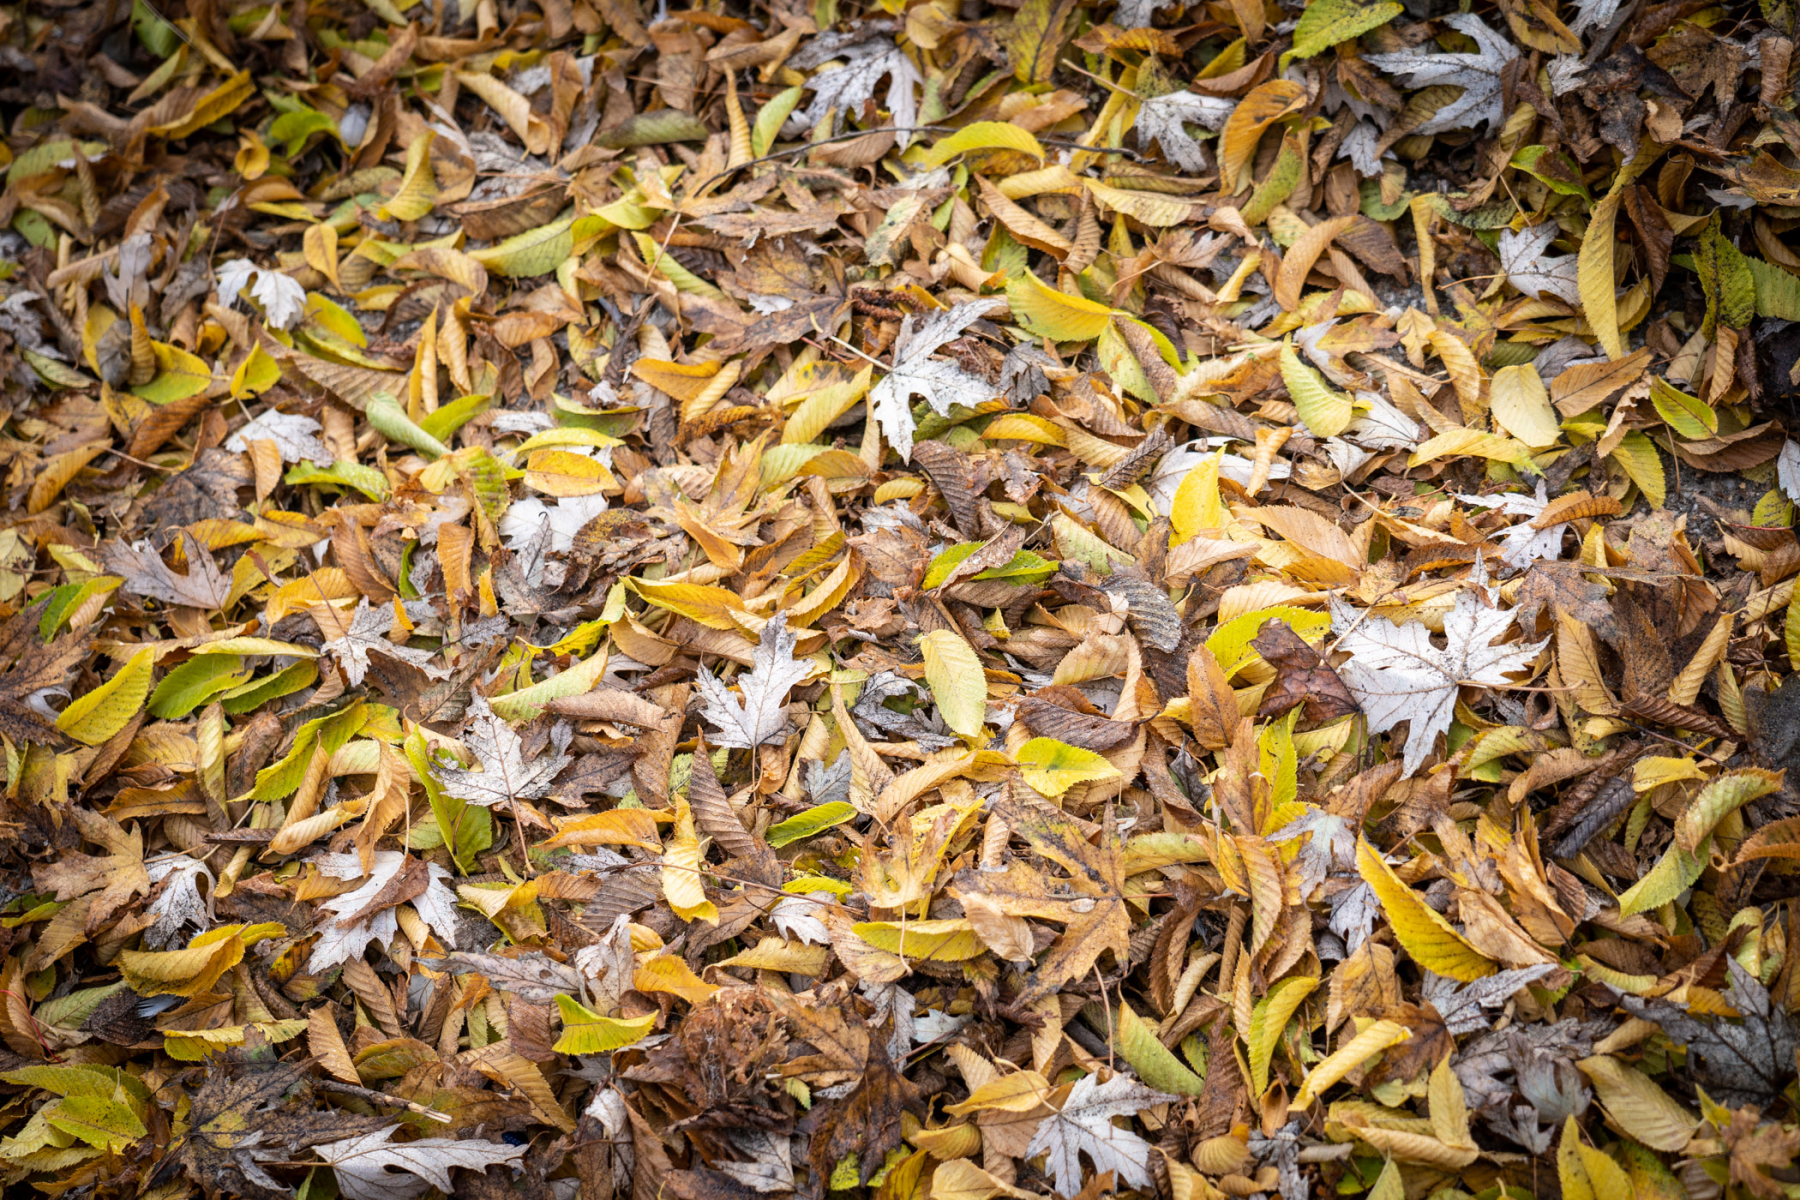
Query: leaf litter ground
(939,601)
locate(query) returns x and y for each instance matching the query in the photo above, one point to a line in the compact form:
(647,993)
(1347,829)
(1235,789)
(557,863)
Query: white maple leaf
(1362,146)
(1163,120)
(282,298)
(566,518)
(127,277)
(373,1167)
(1460,1005)
(1478,75)
(234,276)
(761,715)
(796,918)
(295,435)
(1522,545)
(1084,1126)
(1353,914)
(916,373)
(847,87)
(180,903)
(1787,470)
(1593,14)
(1330,846)
(1532,271)
(366,636)
(1397,674)
(1136,14)
(504,775)
(342,939)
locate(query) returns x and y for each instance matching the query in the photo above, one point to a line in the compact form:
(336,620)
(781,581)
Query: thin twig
(375,1097)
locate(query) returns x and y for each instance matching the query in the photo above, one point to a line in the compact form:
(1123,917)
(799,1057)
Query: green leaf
(467,829)
(1053,767)
(812,821)
(1777,290)
(947,560)
(1638,456)
(1326,413)
(367,480)
(1687,415)
(1673,874)
(957,681)
(1325,23)
(97,1120)
(1136,1041)
(195,682)
(454,415)
(281,778)
(653,129)
(253,695)
(1230,642)
(771,117)
(1726,279)
(587,1032)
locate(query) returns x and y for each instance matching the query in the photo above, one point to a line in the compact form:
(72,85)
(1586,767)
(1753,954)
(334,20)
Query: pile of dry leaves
(937,600)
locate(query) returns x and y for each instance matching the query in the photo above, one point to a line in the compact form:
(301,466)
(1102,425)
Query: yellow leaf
(257,373)
(681,879)
(950,940)
(1347,1057)
(513,108)
(1456,442)
(587,1032)
(565,473)
(320,245)
(1268,1021)
(1325,413)
(1267,103)
(1520,405)
(216,104)
(1638,456)
(1053,767)
(1449,1107)
(1420,929)
(1136,1041)
(984,135)
(671,974)
(614,827)
(1059,316)
(535,252)
(418,187)
(1197,504)
(1594,276)
(1638,1106)
(957,681)
(178,376)
(54,474)
(1148,208)
(775,954)
(96,716)
(1587,1173)
(713,607)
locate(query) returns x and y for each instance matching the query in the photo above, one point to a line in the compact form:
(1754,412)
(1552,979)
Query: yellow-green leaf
(1325,412)
(1638,456)
(1594,276)
(1430,939)
(1136,1041)
(1268,1020)
(587,1032)
(96,716)
(951,940)
(1059,316)
(813,821)
(418,187)
(984,135)
(1520,405)
(1053,767)
(1687,415)
(957,681)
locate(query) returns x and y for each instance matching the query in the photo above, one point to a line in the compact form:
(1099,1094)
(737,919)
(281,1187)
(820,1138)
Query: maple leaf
(869,55)
(1163,121)
(1523,545)
(146,574)
(358,923)
(942,383)
(761,714)
(365,636)
(282,298)
(295,435)
(1460,1004)
(1330,845)
(1084,1125)
(375,1167)
(564,519)
(504,777)
(179,904)
(1478,75)
(1532,271)
(1750,1061)
(1397,674)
